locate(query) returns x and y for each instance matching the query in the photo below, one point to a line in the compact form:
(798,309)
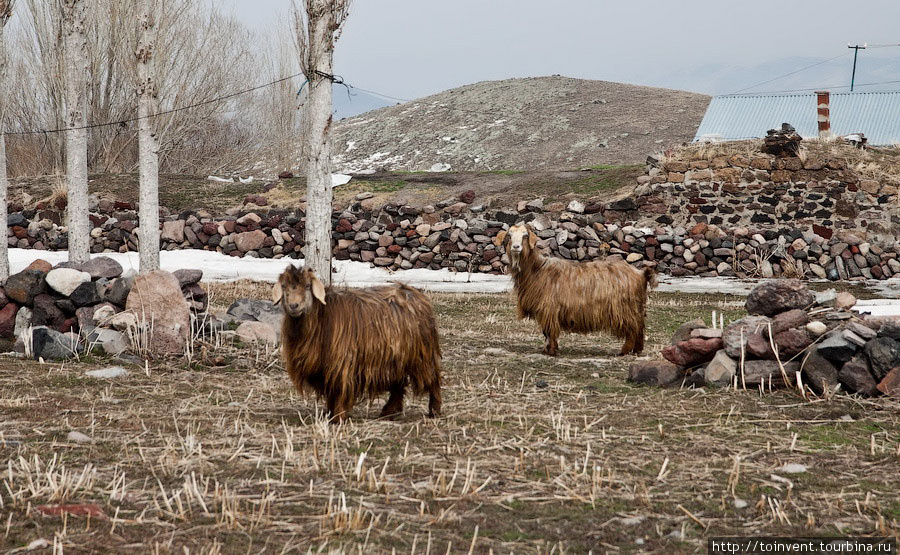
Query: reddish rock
(8,320)
(286,175)
(823,231)
(692,352)
(699,229)
(791,342)
(25,285)
(467,197)
(758,346)
(818,372)
(40,265)
(250,240)
(229,226)
(890,384)
(732,333)
(855,376)
(796,318)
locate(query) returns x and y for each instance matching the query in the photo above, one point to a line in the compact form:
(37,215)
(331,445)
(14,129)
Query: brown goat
(347,344)
(581,297)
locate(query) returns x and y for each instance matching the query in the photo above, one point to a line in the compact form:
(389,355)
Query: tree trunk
(318,157)
(76,137)
(4,187)
(4,183)
(148,142)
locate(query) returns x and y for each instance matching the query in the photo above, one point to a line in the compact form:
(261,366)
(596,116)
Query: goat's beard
(514,257)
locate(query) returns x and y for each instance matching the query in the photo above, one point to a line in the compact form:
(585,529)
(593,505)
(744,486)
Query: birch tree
(76,101)
(6,7)
(148,142)
(317,26)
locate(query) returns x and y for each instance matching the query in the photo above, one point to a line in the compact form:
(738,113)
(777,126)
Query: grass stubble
(532,455)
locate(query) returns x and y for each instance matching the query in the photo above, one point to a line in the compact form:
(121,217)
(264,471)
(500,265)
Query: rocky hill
(534,123)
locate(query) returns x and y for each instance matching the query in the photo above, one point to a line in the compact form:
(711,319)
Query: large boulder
(777,296)
(25,285)
(65,280)
(156,299)
(731,335)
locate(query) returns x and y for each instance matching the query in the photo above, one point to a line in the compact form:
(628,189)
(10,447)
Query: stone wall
(738,190)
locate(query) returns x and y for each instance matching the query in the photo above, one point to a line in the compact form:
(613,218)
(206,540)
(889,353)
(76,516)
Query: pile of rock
(457,234)
(54,312)
(791,338)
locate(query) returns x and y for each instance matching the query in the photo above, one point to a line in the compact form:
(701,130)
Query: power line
(791,73)
(164,112)
(818,88)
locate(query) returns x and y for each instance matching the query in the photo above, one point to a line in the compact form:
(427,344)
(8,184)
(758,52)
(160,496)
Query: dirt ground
(493,189)
(532,454)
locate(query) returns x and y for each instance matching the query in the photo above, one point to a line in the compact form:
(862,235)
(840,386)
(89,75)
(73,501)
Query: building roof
(736,117)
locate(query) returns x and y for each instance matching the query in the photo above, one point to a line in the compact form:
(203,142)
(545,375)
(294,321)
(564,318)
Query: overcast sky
(410,48)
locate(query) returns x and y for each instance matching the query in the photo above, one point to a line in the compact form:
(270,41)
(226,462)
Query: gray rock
(85,294)
(883,354)
(257,311)
(188,277)
(111,341)
(117,290)
(721,369)
(836,348)
(655,372)
(102,267)
(826,298)
(819,372)
(777,296)
(683,333)
(51,345)
(731,336)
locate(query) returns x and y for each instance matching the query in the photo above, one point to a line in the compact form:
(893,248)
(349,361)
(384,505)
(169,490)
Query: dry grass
(533,455)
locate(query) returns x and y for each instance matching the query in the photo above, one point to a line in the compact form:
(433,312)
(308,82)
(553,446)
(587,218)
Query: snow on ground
(220,267)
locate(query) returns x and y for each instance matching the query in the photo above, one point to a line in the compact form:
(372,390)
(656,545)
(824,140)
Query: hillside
(534,123)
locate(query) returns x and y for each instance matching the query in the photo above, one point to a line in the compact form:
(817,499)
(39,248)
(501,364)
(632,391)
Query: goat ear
(532,238)
(500,238)
(318,290)
(276,293)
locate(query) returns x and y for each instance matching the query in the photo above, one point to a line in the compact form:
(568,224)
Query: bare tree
(75,45)
(148,143)
(6,7)
(317,25)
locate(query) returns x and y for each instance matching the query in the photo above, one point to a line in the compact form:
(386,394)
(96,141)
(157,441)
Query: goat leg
(434,401)
(394,405)
(552,345)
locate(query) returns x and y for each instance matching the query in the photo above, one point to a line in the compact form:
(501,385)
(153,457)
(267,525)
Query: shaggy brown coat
(347,344)
(581,297)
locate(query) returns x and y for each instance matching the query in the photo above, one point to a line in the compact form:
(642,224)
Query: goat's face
(297,290)
(516,240)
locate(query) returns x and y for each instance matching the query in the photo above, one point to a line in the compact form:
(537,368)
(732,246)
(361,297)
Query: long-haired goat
(581,297)
(347,344)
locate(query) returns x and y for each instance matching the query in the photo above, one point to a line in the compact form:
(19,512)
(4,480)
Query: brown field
(532,455)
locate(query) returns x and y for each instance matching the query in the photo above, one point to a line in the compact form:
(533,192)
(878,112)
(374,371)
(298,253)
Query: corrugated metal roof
(736,117)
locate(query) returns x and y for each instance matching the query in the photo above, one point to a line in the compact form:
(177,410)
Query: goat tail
(650,277)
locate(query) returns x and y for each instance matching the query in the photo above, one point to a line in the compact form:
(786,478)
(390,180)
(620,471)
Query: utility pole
(856,49)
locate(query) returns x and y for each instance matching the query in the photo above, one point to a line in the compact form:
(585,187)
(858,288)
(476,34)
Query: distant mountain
(873,66)
(533,123)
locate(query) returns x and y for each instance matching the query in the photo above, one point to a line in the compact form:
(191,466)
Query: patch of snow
(246,181)
(439,167)
(338,179)
(793,468)
(220,179)
(111,372)
(351,145)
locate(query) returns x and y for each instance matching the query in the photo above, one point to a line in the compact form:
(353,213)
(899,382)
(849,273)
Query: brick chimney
(823,113)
